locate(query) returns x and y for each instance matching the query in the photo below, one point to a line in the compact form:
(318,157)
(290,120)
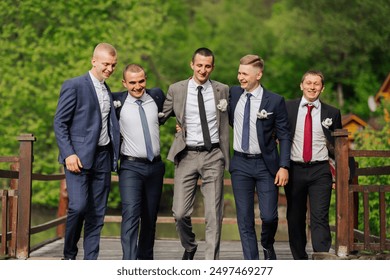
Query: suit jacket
(156,93)
(78,122)
(269,130)
(175,104)
(327,111)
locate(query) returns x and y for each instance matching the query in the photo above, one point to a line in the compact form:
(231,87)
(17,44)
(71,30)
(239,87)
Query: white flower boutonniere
(327,122)
(161,114)
(117,103)
(222,106)
(263,114)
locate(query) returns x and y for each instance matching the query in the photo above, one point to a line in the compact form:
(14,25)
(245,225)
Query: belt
(310,163)
(201,148)
(143,160)
(248,156)
(103,148)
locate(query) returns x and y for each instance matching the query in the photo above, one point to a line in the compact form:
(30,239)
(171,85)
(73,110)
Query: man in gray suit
(200,150)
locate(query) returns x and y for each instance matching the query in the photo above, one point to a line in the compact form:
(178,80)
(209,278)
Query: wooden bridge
(16,227)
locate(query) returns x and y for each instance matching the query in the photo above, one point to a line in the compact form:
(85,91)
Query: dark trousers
(140,186)
(88,193)
(313,182)
(250,177)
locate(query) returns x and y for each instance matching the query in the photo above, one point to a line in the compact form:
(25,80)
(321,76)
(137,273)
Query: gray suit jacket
(174,105)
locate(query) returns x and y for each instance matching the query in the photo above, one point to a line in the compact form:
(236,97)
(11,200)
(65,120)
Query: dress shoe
(269,254)
(189,255)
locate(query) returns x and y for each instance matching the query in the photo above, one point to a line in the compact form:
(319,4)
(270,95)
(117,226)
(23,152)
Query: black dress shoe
(269,254)
(189,255)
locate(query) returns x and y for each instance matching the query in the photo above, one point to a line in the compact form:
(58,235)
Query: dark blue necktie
(203,120)
(245,125)
(145,128)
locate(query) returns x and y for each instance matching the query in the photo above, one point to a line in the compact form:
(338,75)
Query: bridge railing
(16,202)
(348,237)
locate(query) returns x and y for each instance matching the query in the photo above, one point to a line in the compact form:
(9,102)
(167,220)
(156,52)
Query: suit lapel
(324,115)
(217,97)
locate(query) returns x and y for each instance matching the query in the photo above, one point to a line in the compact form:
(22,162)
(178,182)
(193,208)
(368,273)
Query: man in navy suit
(310,177)
(87,134)
(259,120)
(141,172)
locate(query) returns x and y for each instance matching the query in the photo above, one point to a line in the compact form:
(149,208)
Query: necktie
(145,128)
(308,135)
(203,120)
(245,125)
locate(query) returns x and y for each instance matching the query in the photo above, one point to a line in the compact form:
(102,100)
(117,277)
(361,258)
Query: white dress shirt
(194,136)
(104,103)
(320,151)
(254,147)
(131,126)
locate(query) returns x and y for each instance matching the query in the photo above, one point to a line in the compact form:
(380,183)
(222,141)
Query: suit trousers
(250,177)
(88,193)
(313,182)
(140,186)
(209,166)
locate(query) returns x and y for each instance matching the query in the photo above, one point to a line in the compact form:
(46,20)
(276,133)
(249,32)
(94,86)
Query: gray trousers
(209,166)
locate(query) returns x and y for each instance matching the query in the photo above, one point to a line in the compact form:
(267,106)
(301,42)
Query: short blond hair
(252,59)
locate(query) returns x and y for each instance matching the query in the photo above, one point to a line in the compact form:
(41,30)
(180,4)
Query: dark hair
(203,52)
(316,73)
(133,68)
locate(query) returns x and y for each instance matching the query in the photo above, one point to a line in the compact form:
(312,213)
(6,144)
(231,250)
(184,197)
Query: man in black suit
(311,123)
(87,134)
(256,166)
(141,171)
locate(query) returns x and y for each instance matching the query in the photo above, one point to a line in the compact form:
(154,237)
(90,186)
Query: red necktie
(308,135)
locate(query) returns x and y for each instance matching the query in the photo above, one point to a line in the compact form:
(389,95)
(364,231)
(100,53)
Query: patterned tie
(203,120)
(145,128)
(245,125)
(308,135)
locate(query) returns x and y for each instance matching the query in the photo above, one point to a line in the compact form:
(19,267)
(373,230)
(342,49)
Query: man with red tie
(311,123)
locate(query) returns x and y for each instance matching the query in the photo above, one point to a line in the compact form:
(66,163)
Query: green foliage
(43,43)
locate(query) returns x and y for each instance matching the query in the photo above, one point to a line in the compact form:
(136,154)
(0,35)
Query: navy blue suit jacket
(270,131)
(78,122)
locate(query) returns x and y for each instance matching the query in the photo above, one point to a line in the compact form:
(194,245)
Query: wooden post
(13,211)
(342,192)
(24,193)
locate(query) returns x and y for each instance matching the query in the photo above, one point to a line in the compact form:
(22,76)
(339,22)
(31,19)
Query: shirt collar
(304,102)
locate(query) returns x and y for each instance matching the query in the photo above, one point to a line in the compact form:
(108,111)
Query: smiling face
(312,86)
(135,82)
(103,64)
(202,66)
(249,77)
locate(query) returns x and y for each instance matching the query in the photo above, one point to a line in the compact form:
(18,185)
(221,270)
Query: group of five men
(275,145)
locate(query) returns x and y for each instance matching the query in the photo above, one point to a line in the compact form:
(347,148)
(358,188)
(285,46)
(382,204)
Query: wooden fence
(16,202)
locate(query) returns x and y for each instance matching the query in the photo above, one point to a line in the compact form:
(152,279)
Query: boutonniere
(327,122)
(117,103)
(161,114)
(263,114)
(222,105)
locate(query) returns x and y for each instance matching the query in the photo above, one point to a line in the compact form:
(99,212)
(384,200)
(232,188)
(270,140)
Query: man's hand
(281,178)
(73,163)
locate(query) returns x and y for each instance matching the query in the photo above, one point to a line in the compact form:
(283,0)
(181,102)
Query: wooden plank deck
(165,249)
